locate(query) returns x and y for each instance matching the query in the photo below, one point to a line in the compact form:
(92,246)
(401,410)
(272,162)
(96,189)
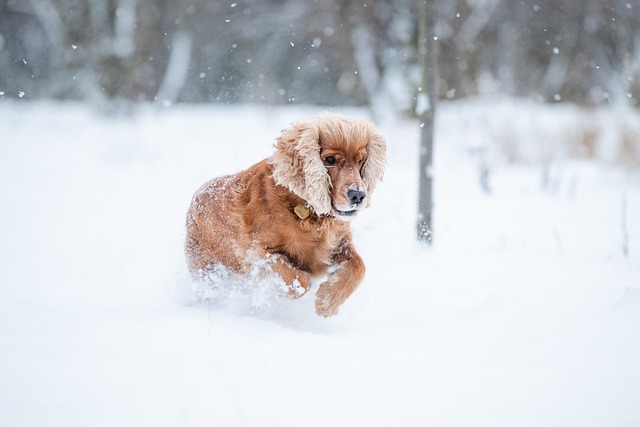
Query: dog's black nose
(356,196)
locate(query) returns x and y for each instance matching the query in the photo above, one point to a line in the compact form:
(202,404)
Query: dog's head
(333,163)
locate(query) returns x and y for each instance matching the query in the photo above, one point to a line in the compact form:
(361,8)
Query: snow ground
(524,313)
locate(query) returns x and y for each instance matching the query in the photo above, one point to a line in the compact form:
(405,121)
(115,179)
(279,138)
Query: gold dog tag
(302,211)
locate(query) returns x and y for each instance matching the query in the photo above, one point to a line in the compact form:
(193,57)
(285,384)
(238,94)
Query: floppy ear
(298,167)
(373,169)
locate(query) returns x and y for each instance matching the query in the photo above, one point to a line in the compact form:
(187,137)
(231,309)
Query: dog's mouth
(346,213)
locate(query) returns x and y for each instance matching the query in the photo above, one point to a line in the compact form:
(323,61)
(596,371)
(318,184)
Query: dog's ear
(373,169)
(298,167)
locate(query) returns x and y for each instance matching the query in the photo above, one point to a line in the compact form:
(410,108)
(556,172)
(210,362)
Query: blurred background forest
(323,52)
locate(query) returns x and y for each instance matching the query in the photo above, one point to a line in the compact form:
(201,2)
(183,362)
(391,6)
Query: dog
(289,214)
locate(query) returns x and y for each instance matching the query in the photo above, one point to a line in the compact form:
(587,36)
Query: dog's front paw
(298,288)
(326,302)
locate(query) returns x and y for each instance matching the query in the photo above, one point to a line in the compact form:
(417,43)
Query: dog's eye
(330,161)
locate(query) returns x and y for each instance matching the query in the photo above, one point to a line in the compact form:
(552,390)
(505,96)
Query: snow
(525,312)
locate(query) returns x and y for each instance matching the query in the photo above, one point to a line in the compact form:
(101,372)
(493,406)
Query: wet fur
(246,220)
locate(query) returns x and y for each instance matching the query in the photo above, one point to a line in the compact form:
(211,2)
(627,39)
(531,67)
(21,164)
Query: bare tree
(426,110)
(327,52)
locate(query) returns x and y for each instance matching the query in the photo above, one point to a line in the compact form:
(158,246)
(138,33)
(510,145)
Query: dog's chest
(312,246)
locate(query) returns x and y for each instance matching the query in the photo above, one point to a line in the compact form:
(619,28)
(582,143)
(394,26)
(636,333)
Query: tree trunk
(426,109)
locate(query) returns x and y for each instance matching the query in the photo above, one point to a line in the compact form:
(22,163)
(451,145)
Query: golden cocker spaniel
(289,214)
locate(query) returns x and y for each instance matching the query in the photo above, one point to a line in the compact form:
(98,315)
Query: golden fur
(327,169)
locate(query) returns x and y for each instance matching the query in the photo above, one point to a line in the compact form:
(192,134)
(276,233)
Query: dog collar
(302,211)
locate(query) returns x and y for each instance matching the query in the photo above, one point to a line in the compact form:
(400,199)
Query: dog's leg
(297,282)
(341,283)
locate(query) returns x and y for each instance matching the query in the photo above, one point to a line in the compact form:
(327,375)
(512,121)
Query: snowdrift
(523,313)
